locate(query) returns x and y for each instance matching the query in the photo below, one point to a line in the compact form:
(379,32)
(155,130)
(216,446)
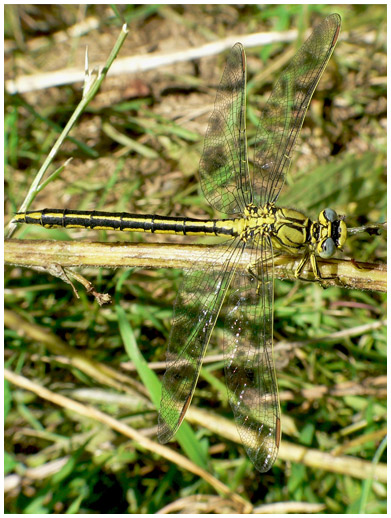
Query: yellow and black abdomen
(123,221)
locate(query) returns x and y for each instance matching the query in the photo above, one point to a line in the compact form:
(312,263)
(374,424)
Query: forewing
(285,110)
(224,165)
(196,309)
(249,365)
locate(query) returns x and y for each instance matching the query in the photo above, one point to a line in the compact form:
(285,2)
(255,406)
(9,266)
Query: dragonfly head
(332,233)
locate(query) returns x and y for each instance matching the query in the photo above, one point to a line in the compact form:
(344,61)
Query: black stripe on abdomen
(123,221)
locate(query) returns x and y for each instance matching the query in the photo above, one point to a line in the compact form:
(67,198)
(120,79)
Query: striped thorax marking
(289,229)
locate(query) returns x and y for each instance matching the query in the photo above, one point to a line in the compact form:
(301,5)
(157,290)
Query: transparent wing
(249,365)
(196,309)
(285,110)
(224,166)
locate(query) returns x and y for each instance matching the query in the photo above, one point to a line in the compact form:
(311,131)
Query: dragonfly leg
(314,264)
(315,268)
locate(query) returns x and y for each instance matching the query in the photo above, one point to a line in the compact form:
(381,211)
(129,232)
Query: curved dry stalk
(140,440)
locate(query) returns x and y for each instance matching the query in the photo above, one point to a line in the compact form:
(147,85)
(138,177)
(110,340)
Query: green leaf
(185,435)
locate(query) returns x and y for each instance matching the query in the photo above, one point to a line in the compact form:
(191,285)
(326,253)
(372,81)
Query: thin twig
(143,62)
(364,276)
(343,464)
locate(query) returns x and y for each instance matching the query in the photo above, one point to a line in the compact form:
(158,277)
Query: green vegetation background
(339,161)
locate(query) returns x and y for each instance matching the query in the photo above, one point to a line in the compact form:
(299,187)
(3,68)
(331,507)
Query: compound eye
(330,215)
(327,248)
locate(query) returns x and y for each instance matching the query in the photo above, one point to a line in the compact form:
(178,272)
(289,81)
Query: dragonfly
(256,226)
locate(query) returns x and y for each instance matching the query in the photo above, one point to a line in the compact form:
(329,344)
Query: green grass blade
(185,436)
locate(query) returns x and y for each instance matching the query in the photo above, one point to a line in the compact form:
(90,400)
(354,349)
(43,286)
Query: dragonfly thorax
(257,220)
(293,232)
(289,230)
